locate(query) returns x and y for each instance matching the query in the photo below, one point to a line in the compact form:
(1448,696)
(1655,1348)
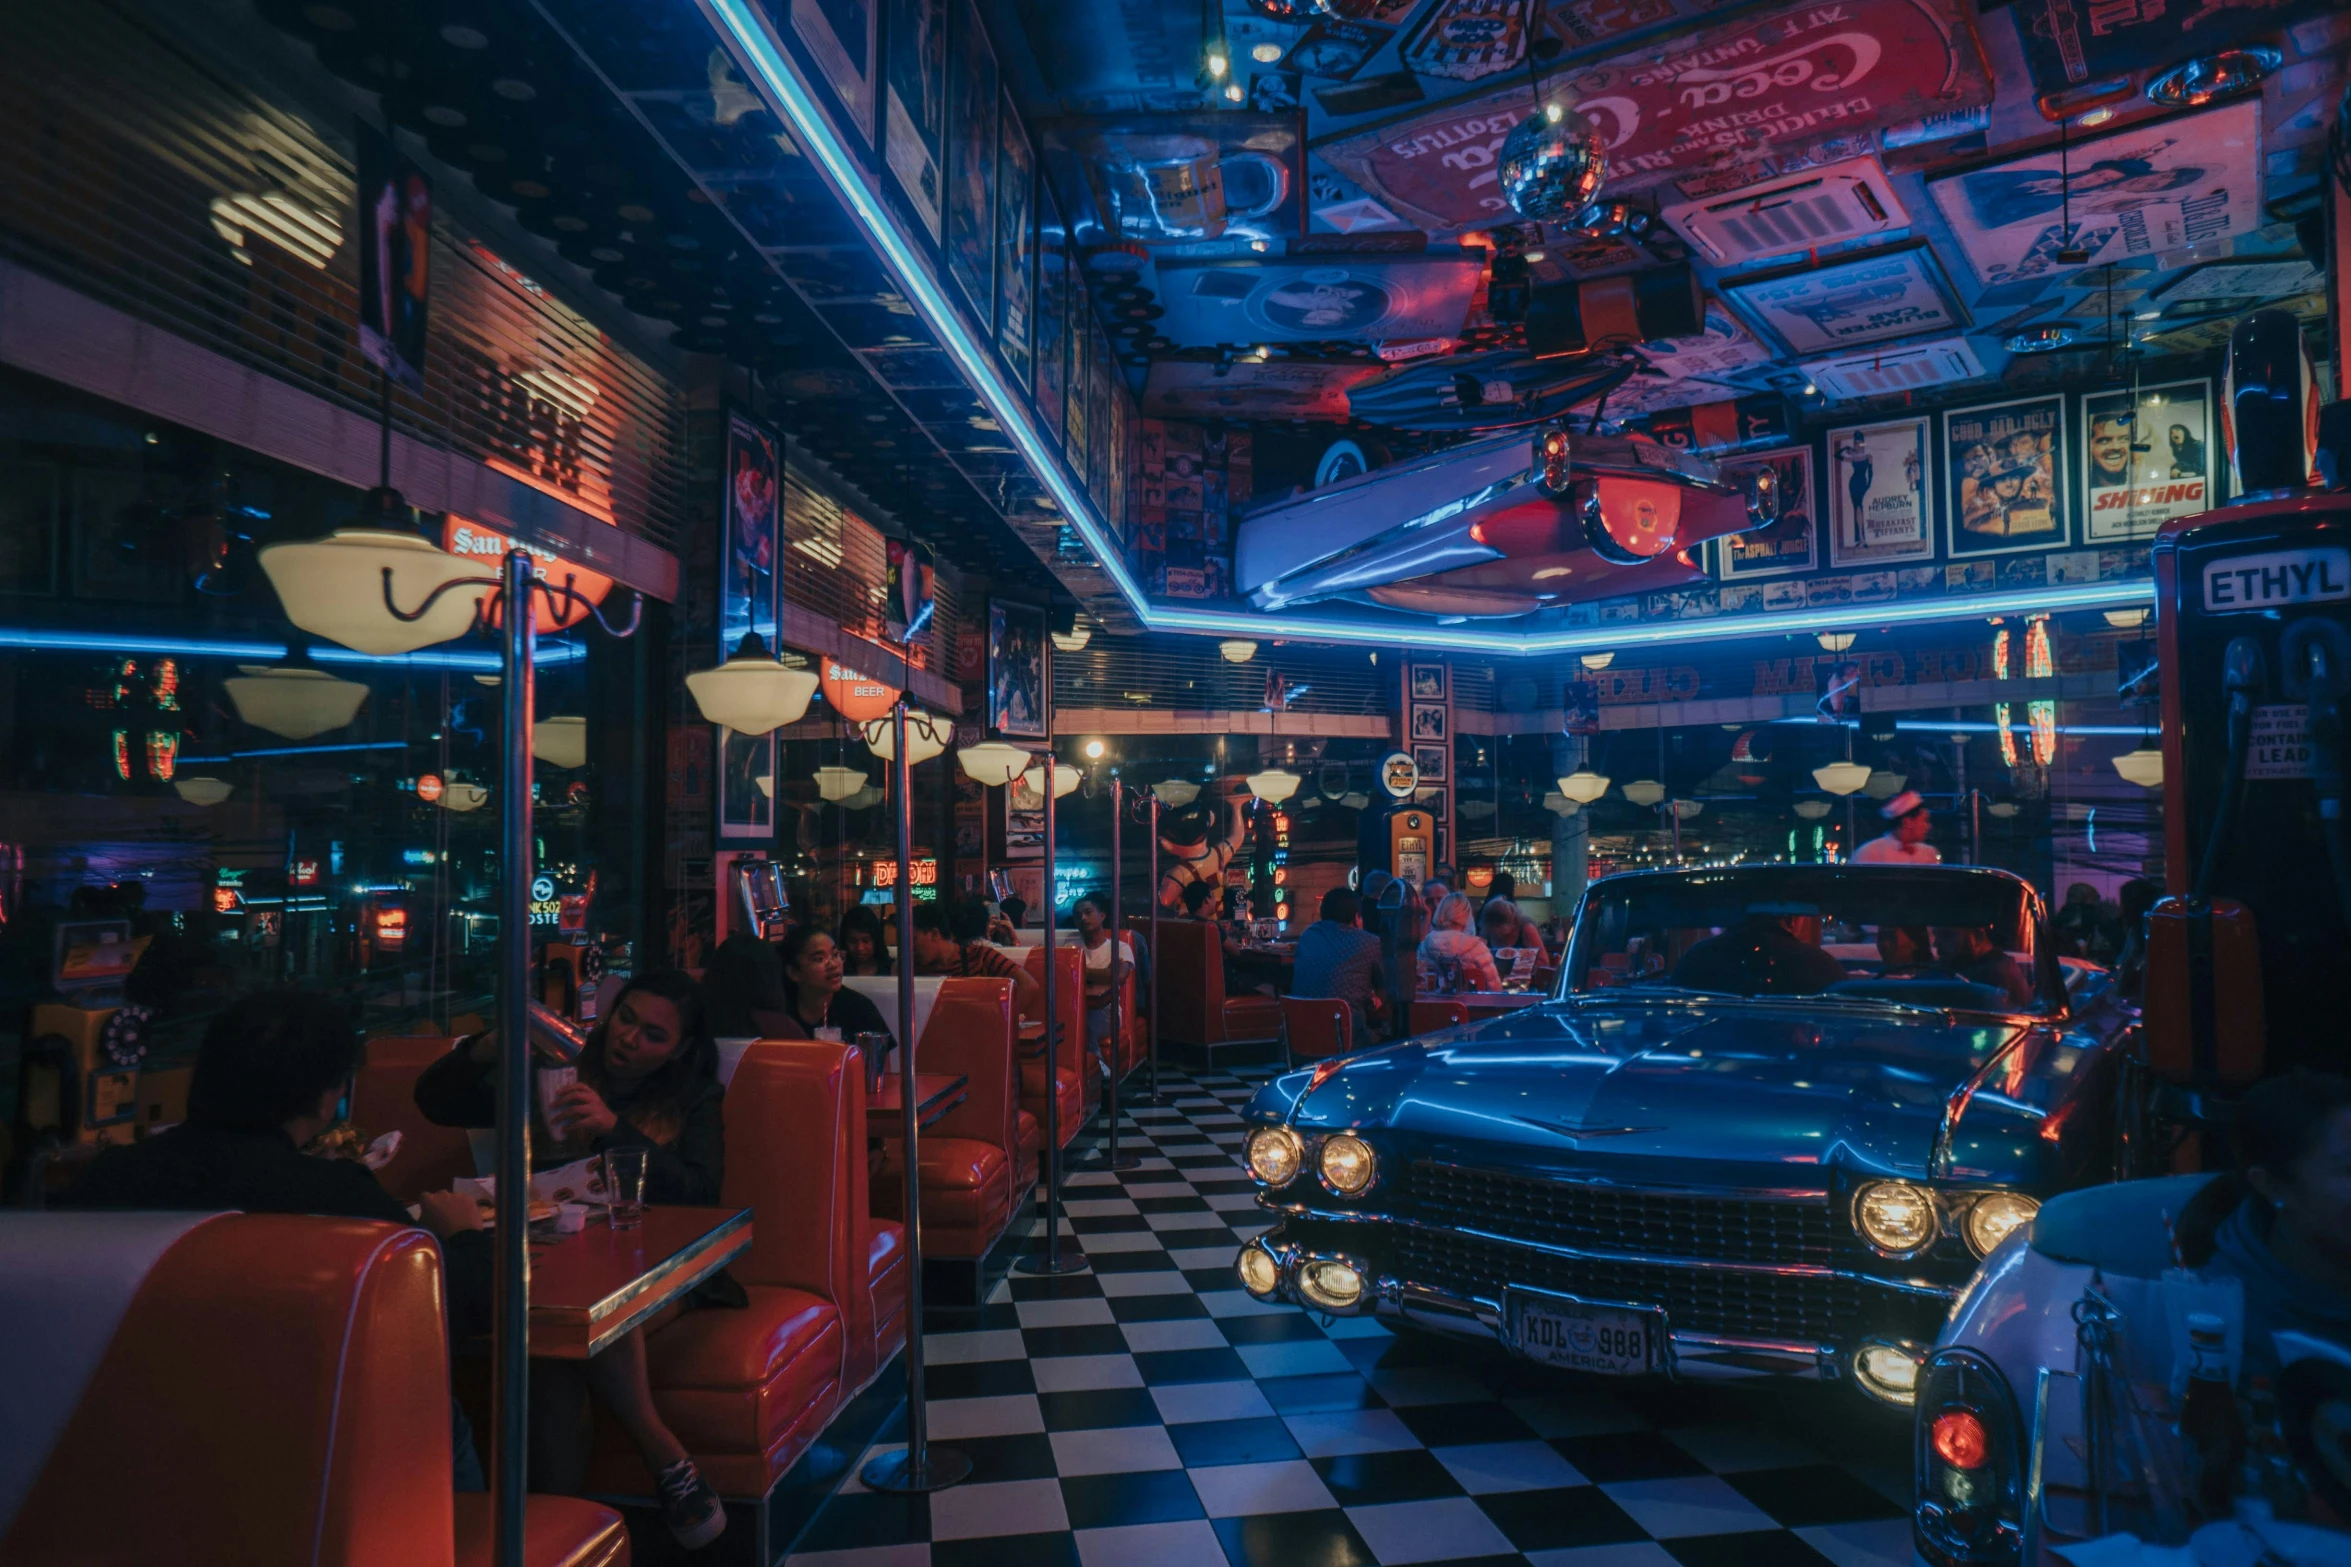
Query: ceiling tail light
(1628,522)
(1551,453)
(2195,83)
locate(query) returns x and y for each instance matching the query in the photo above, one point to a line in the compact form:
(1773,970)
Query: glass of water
(624,1186)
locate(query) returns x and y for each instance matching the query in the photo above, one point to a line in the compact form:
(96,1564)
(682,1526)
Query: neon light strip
(1921,726)
(44,640)
(740,22)
(299,750)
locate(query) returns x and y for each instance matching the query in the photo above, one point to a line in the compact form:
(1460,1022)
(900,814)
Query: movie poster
(2142,468)
(395,258)
(2069,42)
(748,601)
(1016,671)
(841,36)
(1877,494)
(1467,40)
(971,161)
(1789,545)
(916,105)
(2004,477)
(2132,195)
(1081,339)
(1054,269)
(1016,245)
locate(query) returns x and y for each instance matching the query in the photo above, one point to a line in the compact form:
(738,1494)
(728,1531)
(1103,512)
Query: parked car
(1755,1130)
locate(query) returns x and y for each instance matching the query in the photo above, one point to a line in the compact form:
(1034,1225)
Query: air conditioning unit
(1906,368)
(1849,200)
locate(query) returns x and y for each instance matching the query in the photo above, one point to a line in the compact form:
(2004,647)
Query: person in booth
(1108,960)
(863,949)
(817,1004)
(1772,952)
(1970,952)
(1004,926)
(648,1079)
(1522,932)
(1904,842)
(271,1075)
(1339,959)
(939,948)
(743,988)
(1451,959)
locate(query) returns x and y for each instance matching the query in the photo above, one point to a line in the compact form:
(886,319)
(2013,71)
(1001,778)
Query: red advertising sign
(304,873)
(469,540)
(428,788)
(1798,85)
(854,696)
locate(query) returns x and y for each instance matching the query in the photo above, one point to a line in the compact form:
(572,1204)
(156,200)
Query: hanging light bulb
(1597,661)
(752,693)
(203,791)
(1841,778)
(561,742)
(992,763)
(927,735)
(2143,767)
(1065,779)
(1274,785)
(295,701)
(1584,785)
(1176,793)
(1644,791)
(1237,650)
(837,783)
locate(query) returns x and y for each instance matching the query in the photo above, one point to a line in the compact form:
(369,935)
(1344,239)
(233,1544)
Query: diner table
(937,1093)
(590,1288)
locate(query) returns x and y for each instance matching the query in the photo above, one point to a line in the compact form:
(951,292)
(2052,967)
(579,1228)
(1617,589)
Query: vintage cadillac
(1767,1124)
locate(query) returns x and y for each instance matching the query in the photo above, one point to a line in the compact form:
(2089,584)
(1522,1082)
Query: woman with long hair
(863,949)
(648,1079)
(1452,959)
(817,1005)
(1108,961)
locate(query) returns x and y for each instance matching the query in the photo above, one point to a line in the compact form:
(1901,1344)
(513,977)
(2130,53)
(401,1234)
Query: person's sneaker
(689,1506)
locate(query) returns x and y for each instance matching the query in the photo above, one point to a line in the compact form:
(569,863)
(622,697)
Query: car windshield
(1935,937)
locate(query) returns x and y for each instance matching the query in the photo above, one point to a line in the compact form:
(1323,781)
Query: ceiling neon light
(43,639)
(740,23)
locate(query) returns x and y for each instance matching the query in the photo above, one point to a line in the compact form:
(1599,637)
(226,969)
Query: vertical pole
(1154,947)
(510,1390)
(1050,1258)
(921,1467)
(384,430)
(1111,1158)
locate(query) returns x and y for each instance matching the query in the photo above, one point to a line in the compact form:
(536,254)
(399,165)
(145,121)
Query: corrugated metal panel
(1188,673)
(139,178)
(835,567)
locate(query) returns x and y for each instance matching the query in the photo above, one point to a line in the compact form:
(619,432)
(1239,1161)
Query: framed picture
(1788,545)
(1017,698)
(1431,723)
(1080,342)
(915,106)
(1016,244)
(1877,494)
(842,37)
(971,160)
(1433,762)
(2146,463)
(1050,385)
(746,774)
(2132,195)
(753,511)
(2004,473)
(1579,707)
(1874,297)
(1428,682)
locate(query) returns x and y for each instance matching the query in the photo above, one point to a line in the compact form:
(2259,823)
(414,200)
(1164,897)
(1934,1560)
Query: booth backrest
(1069,987)
(971,1032)
(1191,974)
(277,1390)
(1317,1027)
(793,1111)
(384,1100)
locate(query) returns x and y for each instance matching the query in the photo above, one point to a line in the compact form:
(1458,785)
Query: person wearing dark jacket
(648,1079)
(271,1075)
(1763,955)
(818,1005)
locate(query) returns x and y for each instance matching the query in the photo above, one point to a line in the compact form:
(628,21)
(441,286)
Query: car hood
(1760,1093)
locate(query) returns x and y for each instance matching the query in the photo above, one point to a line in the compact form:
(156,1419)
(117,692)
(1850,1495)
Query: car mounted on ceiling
(1500,527)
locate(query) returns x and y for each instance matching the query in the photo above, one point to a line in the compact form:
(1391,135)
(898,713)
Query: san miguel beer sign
(1808,78)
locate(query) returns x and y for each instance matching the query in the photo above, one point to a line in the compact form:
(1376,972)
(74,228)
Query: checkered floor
(1149,1413)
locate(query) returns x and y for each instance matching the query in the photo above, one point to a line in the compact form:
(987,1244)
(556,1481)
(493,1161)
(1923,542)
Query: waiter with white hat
(1905,841)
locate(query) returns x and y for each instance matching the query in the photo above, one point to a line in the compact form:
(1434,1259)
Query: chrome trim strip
(1955,1105)
(1792,1196)
(1922,1288)
(1465,1316)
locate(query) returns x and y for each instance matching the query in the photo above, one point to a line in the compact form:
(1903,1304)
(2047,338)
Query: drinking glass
(624,1186)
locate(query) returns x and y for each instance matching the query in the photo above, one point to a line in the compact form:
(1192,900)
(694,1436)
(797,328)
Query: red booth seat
(970,1156)
(1315,1029)
(1078,1094)
(276,1390)
(1193,1007)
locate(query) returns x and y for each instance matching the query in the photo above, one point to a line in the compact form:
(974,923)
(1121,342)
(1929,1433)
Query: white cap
(1901,805)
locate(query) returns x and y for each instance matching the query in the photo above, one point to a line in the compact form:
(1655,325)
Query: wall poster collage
(971,161)
(1877,494)
(749,599)
(1789,545)
(915,106)
(2148,456)
(2004,473)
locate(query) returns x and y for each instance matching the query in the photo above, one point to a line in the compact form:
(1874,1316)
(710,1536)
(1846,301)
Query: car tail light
(1969,1464)
(1959,1440)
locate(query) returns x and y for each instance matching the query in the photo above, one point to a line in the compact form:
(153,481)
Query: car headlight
(1997,1216)
(1895,1216)
(1275,1153)
(1260,1274)
(1331,1283)
(1348,1167)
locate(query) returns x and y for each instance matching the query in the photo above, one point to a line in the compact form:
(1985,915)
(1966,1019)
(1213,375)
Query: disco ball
(1550,168)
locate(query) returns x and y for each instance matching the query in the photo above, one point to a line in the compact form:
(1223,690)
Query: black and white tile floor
(1149,1413)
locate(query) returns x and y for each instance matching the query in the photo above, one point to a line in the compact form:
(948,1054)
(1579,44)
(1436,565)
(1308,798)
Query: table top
(939,1093)
(1493,1000)
(589,1289)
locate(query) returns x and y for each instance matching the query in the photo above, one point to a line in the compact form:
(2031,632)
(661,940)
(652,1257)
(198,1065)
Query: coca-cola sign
(1770,86)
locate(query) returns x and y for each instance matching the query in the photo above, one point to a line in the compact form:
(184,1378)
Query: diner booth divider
(1078,1095)
(1194,1010)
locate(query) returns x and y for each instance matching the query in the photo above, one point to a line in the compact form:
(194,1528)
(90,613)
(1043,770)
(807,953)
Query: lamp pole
(1052,1257)
(1112,1159)
(510,1390)
(921,1467)
(1154,827)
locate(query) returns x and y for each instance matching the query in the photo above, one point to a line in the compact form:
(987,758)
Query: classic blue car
(1767,1124)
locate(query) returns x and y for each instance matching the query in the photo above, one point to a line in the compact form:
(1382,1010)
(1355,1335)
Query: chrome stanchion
(1111,1158)
(1053,1256)
(921,1467)
(510,1385)
(1152,1098)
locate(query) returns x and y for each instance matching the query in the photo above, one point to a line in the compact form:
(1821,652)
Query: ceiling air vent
(1849,200)
(1904,369)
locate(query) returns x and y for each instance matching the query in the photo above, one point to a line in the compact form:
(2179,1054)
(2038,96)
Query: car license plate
(1575,1335)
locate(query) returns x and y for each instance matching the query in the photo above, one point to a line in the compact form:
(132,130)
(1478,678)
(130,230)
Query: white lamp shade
(462,797)
(993,763)
(1834,641)
(1559,804)
(1644,791)
(1274,785)
(1065,779)
(1176,793)
(295,703)
(334,587)
(1841,777)
(1813,810)
(1355,799)
(767,785)
(2126,619)
(752,694)
(1237,650)
(2143,767)
(203,791)
(864,799)
(1597,661)
(838,783)
(561,742)
(927,735)
(1685,809)
(1584,785)
(2002,808)
(1884,784)
(1073,640)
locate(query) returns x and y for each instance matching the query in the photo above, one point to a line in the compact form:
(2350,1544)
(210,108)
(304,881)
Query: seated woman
(648,1079)
(816,1004)
(863,951)
(1501,923)
(1451,959)
(1108,962)
(1004,925)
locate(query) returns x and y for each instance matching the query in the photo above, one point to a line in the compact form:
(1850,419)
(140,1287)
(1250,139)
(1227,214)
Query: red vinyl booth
(276,1390)
(1317,1028)
(1193,1007)
(1078,1095)
(969,1156)
(384,1100)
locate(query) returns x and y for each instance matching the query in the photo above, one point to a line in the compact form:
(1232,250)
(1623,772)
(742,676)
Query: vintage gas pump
(2254,625)
(79,1079)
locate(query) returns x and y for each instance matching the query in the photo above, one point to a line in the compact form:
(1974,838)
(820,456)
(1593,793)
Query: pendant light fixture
(203,791)
(561,741)
(1644,791)
(1274,785)
(1176,793)
(836,783)
(927,735)
(335,587)
(992,763)
(1065,779)
(294,701)
(1841,778)
(752,693)
(1583,786)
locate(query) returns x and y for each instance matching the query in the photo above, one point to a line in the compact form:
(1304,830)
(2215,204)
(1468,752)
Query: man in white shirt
(1905,841)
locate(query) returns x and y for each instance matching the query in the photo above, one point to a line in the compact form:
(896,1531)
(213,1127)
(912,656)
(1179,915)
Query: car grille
(1603,1218)
(1698,1300)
